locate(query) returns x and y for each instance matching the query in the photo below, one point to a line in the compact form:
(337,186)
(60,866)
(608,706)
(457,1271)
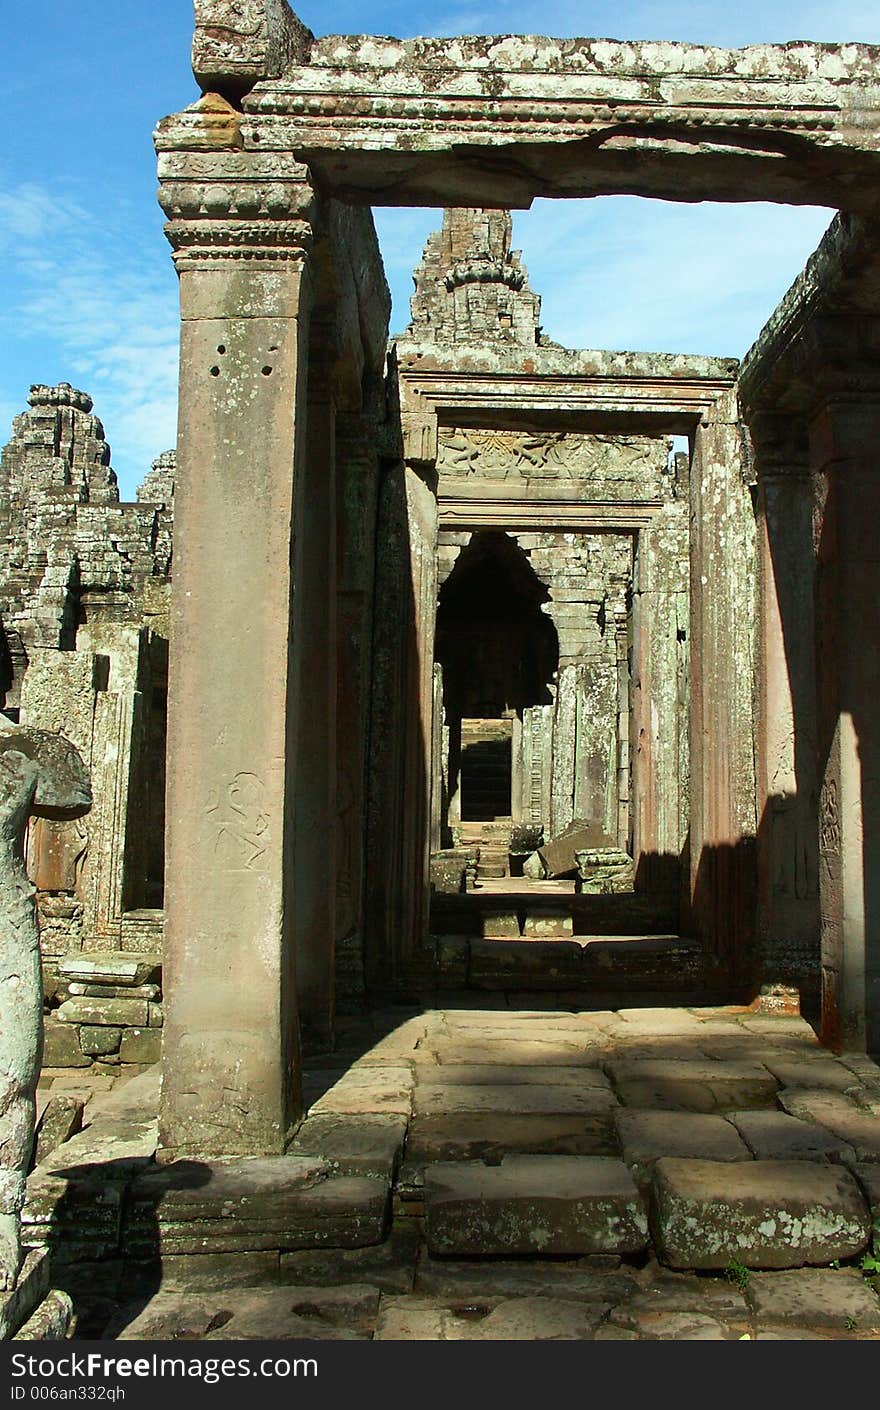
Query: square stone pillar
(240,229)
(845,453)
(723,818)
(314,628)
(788,886)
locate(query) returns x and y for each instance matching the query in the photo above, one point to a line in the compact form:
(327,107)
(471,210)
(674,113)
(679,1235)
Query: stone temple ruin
(483,814)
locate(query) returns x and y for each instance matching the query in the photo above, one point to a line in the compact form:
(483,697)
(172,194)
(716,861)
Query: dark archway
(499,652)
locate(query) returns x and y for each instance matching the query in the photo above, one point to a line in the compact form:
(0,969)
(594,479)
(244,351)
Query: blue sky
(88,289)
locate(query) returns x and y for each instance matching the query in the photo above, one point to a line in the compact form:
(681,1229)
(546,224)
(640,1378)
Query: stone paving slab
(691,1086)
(657,1022)
(346,1313)
(487,1282)
(469,1136)
(529,1052)
(815,1297)
(774,1135)
(539,1204)
(645,1136)
(763,1214)
(812,1072)
(493,1075)
(516,1319)
(840,1116)
(509,1099)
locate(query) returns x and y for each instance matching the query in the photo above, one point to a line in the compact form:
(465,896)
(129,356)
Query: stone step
(534,1204)
(760,1213)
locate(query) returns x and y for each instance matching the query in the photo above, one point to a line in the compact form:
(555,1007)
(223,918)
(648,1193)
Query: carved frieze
(502,455)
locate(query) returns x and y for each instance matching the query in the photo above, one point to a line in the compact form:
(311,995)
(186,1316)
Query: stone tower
(470,285)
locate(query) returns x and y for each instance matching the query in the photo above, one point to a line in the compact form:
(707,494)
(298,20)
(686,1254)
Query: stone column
(845,454)
(240,227)
(788,919)
(723,821)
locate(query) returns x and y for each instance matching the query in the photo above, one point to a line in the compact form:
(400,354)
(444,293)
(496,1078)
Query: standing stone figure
(41,774)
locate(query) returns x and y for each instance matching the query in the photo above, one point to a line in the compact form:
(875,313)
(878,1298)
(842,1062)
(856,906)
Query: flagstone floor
(497,1174)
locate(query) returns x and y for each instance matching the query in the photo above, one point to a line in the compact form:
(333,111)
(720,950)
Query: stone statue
(41,775)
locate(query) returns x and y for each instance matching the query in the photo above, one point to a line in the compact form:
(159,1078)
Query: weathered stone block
(765,1214)
(368,1144)
(253,1203)
(61,1046)
(108,967)
(548,923)
(815,1297)
(51,1321)
(544,1204)
(129,1013)
(141,1045)
(501,925)
(470,1136)
(99,1041)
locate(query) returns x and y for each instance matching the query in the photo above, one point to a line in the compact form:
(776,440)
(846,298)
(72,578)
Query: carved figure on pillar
(42,775)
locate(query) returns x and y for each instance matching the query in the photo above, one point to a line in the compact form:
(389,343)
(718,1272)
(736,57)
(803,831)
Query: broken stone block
(61,1120)
(538,1204)
(773,1135)
(691,1085)
(99,1041)
(645,1136)
(141,1045)
(61,1046)
(763,1214)
(534,868)
(815,1297)
(30,1289)
(558,855)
